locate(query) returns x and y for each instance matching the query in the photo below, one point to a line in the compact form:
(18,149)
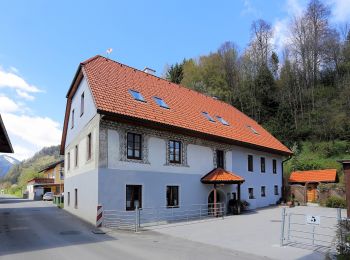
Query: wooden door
(311,194)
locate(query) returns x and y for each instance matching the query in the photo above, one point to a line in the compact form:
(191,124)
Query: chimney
(346,168)
(149,70)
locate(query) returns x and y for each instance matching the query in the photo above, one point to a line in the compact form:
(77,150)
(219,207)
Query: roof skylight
(137,95)
(208,116)
(252,129)
(161,102)
(223,121)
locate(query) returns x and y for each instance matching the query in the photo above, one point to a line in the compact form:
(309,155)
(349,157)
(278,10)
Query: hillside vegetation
(300,93)
(16,179)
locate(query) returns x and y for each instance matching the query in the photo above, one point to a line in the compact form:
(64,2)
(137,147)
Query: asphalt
(39,230)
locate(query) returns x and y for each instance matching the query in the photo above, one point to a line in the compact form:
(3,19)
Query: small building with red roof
(310,180)
(131,139)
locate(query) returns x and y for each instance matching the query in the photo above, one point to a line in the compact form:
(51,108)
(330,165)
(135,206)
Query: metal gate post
(282,227)
(289,217)
(338,214)
(313,235)
(136,218)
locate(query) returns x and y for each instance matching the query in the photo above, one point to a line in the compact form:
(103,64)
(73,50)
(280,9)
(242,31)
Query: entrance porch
(218,178)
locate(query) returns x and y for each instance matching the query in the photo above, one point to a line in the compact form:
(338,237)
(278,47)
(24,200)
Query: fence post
(282,225)
(289,217)
(223,210)
(136,218)
(338,214)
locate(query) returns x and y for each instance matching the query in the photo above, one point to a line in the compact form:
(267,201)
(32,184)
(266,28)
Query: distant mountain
(6,162)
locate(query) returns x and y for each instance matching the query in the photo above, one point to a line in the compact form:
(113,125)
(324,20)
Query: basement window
(206,114)
(161,102)
(137,95)
(252,129)
(223,121)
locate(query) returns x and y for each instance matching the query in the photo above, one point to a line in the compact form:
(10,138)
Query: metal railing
(141,218)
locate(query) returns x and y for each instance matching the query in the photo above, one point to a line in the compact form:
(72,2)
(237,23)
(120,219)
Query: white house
(133,139)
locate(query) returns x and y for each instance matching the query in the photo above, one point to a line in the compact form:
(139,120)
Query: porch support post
(239,198)
(215,199)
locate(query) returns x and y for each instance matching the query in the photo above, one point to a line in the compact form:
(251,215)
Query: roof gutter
(283,186)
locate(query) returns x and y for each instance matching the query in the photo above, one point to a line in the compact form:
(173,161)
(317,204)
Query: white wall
(87,185)
(256,179)
(89,111)
(199,158)
(156,175)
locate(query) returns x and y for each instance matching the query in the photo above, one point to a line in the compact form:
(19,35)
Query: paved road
(38,230)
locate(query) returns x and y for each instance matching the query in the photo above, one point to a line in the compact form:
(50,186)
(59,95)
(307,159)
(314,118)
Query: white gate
(309,229)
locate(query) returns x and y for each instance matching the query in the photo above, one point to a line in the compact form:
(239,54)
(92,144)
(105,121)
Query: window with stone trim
(134,146)
(175,151)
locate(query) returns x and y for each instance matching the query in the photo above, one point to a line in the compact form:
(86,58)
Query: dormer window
(223,121)
(161,102)
(137,95)
(252,129)
(206,114)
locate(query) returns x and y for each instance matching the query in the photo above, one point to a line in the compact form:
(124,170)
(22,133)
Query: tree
(175,73)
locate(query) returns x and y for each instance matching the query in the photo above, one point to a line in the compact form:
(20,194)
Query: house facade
(52,181)
(131,139)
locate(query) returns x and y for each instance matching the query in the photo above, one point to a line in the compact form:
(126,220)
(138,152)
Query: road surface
(39,230)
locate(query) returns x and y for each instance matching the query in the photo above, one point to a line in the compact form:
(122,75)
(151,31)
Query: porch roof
(221,176)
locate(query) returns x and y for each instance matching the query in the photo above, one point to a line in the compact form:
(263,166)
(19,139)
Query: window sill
(172,207)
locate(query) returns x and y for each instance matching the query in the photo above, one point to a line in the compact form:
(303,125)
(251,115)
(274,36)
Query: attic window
(161,102)
(223,121)
(137,95)
(253,130)
(208,116)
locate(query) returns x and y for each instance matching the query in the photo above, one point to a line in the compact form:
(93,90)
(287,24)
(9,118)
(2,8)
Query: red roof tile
(110,81)
(220,175)
(328,175)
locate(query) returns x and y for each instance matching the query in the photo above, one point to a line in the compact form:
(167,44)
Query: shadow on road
(41,226)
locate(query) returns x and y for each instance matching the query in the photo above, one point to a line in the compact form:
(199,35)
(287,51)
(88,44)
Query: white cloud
(36,131)
(340,10)
(249,9)
(24,95)
(281,27)
(22,153)
(12,80)
(8,105)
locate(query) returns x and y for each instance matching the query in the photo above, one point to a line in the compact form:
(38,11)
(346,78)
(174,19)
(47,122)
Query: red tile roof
(111,81)
(220,175)
(328,175)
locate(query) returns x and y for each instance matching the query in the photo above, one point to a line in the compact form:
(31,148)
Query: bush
(335,202)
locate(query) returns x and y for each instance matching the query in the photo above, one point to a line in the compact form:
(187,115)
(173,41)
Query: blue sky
(42,43)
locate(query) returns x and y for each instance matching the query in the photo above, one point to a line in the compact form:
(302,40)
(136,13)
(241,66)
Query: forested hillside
(17,177)
(300,93)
